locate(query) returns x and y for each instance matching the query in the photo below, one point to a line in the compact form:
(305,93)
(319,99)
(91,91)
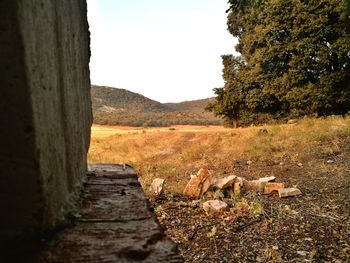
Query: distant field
(105,131)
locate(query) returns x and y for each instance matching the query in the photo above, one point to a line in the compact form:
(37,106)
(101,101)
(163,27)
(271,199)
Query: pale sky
(167,50)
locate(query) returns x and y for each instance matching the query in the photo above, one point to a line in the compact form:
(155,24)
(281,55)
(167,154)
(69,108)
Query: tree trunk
(235,121)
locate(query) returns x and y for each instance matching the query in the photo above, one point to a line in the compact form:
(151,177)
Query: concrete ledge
(115,223)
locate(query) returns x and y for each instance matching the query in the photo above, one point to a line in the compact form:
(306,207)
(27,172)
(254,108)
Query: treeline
(294,61)
(154,119)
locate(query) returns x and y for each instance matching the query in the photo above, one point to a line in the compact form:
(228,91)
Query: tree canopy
(295,59)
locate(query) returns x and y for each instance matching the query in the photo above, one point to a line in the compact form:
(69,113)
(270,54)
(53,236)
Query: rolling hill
(192,105)
(113,106)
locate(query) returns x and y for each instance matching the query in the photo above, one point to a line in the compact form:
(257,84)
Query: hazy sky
(167,50)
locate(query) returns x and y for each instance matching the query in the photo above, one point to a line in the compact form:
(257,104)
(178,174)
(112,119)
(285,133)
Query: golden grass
(175,154)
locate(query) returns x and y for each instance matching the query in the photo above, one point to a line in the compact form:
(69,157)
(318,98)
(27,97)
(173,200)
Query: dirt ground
(313,227)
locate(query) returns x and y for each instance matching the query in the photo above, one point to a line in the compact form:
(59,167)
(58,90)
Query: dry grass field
(312,154)
(176,154)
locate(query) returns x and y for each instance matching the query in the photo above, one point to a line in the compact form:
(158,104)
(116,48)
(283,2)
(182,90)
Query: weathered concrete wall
(45,111)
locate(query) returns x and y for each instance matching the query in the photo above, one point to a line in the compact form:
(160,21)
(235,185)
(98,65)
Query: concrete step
(115,223)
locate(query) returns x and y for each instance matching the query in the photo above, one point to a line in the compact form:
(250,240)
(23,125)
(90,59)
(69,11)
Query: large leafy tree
(295,59)
(232,96)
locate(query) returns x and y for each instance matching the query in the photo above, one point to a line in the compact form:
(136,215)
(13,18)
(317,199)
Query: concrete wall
(45,112)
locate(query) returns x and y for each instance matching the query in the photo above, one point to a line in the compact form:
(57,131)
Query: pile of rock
(204,180)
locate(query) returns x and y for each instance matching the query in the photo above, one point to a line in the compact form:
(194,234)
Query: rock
(267,179)
(225,182)
(286,192)
(272,187)
(237,188)
(199,184)
(292,121)
(214,206)
(254,185)
(300,164)
(330,161)
(263,131)
(302,253)
(157,186)
(240,180)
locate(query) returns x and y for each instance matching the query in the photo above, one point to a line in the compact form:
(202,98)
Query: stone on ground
(292,121)
(272,187)
(214,206)
(286,192)
(254,185)
(241,180)
(157,186)
(222,183)
(237,188)
(199,184)
(267,179)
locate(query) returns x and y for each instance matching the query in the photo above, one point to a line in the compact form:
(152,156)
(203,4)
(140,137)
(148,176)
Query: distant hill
(192,105)
(122,100)
(113,106)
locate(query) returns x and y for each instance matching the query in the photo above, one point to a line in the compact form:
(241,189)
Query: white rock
(286,192)
(157,186)
(214,206)
(302,253)
(225,182)
(267,179)
(292,121)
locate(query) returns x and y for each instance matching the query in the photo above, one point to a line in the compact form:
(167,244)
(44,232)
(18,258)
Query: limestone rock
(237,188)
(241,180)
(254,185)
(214,206)
(157,186)
(272,187)
(225,182)
(286,192)
(292,121)
(199,184)
(267,179)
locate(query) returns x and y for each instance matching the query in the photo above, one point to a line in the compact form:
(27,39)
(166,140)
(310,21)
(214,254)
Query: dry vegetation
(312,154)
(175,154)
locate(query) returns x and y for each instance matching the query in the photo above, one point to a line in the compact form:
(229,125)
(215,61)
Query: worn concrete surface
(115,224)
(45,113)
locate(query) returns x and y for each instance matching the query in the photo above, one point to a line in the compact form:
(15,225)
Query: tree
(295,59)
(230,99)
